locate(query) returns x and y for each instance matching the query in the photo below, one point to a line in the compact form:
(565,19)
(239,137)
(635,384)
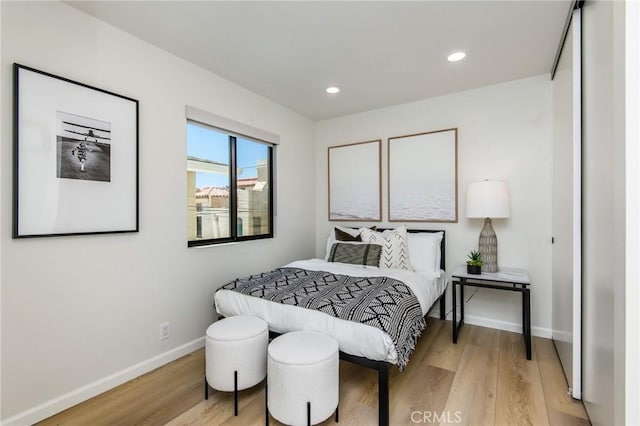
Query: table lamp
(488,199)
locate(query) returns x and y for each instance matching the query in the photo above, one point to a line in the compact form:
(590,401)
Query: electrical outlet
(164,331)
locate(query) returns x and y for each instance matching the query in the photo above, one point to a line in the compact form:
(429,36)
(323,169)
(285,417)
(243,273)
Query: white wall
(85,311)
(503,133)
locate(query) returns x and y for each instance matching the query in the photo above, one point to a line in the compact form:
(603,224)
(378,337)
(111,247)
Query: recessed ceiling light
(333,89)
(456,56)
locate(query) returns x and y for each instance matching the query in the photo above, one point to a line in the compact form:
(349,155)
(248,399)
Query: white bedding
(353,338)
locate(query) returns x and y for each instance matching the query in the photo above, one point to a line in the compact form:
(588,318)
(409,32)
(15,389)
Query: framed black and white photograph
(83,148)
(355,182)
(75,157)
(423,177)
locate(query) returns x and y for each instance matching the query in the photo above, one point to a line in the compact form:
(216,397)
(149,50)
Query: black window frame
(233,191)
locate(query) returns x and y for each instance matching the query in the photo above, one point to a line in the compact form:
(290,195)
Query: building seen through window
(229,186)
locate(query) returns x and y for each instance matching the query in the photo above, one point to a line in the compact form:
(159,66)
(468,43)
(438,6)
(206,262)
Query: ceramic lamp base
(488,247)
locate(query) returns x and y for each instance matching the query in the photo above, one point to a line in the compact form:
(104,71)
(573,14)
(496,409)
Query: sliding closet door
(566,220)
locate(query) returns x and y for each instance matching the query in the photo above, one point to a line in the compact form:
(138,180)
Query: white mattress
(353,338)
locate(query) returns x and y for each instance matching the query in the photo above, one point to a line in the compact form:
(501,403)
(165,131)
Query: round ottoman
(303,378)
(236,354)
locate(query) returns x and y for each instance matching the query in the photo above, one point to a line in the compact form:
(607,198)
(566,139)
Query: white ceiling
(378,53)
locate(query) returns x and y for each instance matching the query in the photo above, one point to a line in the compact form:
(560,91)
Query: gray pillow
(345,236)
(356,254)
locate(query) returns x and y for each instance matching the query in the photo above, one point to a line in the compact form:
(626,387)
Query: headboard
(442,243)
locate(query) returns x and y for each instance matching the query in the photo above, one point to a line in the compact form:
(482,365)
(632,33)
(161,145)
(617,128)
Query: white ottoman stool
(236,354)
(302,380)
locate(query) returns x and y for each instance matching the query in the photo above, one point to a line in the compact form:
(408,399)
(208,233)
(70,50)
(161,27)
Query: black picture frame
(75,157)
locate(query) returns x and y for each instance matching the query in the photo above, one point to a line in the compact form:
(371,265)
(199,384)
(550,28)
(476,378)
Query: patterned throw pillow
(395,250)
(340,233)
(357,254)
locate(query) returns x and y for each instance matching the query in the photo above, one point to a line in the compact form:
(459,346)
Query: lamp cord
(450,311)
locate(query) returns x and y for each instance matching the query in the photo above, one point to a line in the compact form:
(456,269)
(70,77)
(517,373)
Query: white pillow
(395,250)
(332,237)
(424,251)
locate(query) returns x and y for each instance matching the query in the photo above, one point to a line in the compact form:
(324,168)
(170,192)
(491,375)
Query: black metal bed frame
(383,371)
(382,367)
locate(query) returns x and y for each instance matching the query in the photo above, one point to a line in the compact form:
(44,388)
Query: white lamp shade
(489,198)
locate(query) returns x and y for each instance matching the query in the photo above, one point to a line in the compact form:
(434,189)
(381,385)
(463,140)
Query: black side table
(505,279)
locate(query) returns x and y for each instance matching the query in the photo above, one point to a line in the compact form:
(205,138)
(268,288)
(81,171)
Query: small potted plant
(474,264)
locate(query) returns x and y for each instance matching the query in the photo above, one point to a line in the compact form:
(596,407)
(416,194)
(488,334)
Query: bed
(295,297)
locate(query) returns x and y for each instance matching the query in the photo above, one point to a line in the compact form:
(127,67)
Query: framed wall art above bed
(423,177)
(355,182)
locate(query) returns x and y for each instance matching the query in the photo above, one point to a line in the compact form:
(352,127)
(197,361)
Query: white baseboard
(61,403)
(500,325)
(56,405)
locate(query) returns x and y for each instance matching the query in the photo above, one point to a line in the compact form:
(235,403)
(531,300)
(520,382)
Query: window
(229,186)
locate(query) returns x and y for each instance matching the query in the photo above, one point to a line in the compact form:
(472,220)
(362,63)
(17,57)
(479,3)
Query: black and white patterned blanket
(381,302)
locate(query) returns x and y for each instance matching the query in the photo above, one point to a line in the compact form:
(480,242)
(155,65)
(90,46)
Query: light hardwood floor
(483,380)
